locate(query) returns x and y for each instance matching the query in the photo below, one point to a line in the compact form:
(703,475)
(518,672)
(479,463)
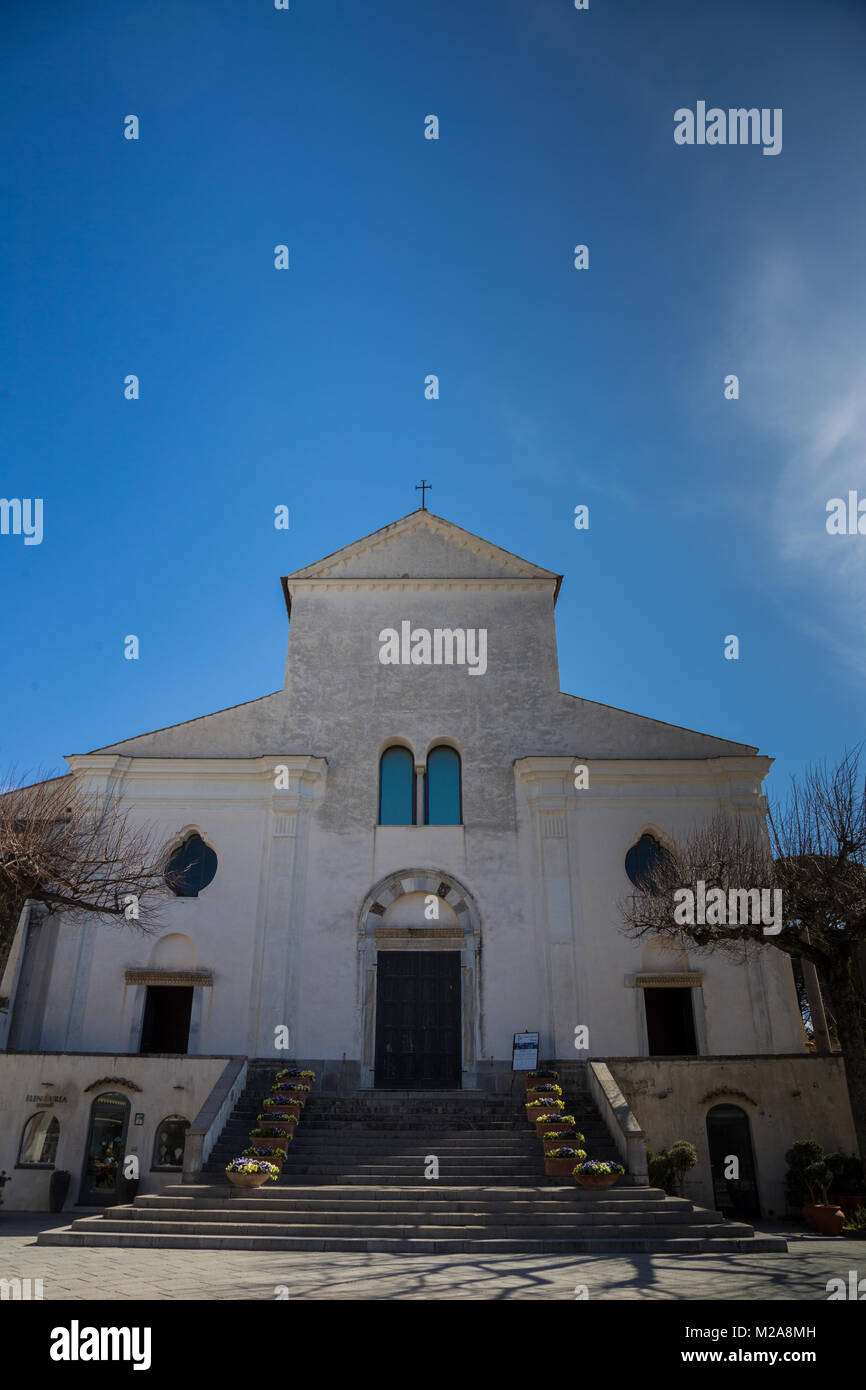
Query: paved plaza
(105,1274)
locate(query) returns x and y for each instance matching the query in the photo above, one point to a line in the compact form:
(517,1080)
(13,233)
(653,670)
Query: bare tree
(76,852)
(809,858)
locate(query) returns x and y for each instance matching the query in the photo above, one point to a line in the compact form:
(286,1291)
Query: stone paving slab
(108,1275)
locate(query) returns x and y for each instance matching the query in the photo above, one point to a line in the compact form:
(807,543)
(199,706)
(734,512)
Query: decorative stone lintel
(168,977)
(683,978)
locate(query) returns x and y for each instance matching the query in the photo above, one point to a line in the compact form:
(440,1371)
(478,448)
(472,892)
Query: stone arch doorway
(729,1137)
(419,957)
(105,1149)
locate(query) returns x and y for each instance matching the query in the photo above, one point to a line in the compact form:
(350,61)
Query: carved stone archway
(463,934)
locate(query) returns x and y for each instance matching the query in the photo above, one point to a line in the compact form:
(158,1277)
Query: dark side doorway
(729,1138)
(167,1012)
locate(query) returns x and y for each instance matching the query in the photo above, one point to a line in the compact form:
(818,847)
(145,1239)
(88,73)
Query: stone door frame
(464,937)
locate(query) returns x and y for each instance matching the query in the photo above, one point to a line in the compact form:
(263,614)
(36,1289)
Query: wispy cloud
(802,371)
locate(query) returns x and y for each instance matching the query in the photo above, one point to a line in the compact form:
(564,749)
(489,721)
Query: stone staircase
(355,1181)
(386,1137)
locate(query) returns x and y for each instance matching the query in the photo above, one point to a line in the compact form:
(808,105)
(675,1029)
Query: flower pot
(247,1179)
(290,1107)
(558,1142)
(266,1141)
(826,1219)
(541,1095)
(533,1113)
(551,1143)
(542,1126)
(284,1126)
(596,1179)
(548,1119)
(533,1081)
(559,1167)
(58,1186)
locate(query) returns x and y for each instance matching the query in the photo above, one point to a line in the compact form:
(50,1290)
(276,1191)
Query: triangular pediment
(423,546)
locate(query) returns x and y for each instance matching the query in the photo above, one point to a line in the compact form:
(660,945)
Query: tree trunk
(848,1008)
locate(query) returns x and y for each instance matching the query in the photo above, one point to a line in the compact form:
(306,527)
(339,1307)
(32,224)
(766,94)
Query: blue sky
(408,256)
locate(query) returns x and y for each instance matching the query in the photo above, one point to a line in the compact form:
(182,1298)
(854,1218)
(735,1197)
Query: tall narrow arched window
(191,868)
(397,787)
(442,791)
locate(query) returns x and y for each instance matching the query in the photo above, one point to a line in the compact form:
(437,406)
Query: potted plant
(849,1184)
(543,1089)
(534,1077)
(251,1172)
(682,1156)
(808,1183)
(58,1186)
(286,1107)
(287,1094)
(855,1224)
(548,1121)
(296,1077)
(536,1108)
(278,1119)
(263,1149)
(819,1213)
(559,1162)
(269,1137)
(593,1173)
(552,1138)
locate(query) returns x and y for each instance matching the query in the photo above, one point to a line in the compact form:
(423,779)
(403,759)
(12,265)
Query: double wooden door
(418,1020)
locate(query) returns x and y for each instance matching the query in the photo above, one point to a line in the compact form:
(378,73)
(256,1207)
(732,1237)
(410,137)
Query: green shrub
(667,1169)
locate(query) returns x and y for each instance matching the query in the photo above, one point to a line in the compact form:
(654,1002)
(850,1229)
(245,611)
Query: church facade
(386,869)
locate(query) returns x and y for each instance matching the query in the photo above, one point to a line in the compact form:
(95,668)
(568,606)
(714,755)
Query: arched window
(169,1142)
(442,800)
(397,787)
(191,868)
(39,1141)
(649,865)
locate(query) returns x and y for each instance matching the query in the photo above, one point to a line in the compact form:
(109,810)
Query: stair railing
(213,1117)
(620,1122)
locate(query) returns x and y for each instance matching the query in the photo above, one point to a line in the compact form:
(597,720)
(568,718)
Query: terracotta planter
(290,1107)
(264,1141)
(542,1126)
(827,1220)
(597,1179)
(532,1081)
(559,1141)
(285,1126)
(551,1103)
(545,1122)
(559,1167)
(543,1095)
(247,1179)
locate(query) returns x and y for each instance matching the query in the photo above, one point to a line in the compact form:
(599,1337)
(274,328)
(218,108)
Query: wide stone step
(685,1245)
(570,1195)
(549,1202)
(419,1230)
(168,1217)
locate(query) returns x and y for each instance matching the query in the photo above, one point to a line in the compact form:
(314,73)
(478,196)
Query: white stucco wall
(165,1086)
(541,863)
